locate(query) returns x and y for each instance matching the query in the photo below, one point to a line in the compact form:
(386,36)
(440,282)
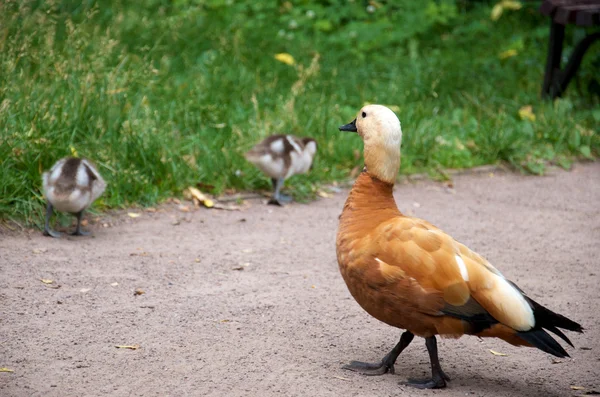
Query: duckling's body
(71,185)
(280,157)
(411,275)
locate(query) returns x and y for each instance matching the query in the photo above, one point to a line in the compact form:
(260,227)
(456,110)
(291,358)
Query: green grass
(163,95)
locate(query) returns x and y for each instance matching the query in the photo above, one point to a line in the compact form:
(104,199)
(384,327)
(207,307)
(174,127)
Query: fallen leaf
(46,281)
(495,353)
(139,292)
(84,290)
(201,197)
(130,347)
(134,215)
(507,54)
(512,5)
(150,209)
(74,152)
(286,58)
(184,208)
(225,321)
(526,113)
(496,12)
(226,207)
(115,284)
(577,387)
(4,369)
(238,268)
(323,194)
(416,205)
(340,377)
(313,286)
(39,250)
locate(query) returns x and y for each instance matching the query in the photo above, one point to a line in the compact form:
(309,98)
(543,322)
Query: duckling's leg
(47,230)
(78,231)
(387,364)
(438,377)
(278,198)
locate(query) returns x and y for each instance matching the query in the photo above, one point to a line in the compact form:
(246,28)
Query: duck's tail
(547,320)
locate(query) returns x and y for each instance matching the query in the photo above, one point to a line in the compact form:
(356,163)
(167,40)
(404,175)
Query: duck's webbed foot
(47,230)
(78,231)
(438,377)
(52,233)
(387,363)
(278,198)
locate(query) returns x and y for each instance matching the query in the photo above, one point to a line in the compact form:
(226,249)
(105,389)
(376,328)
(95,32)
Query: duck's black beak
(350,127)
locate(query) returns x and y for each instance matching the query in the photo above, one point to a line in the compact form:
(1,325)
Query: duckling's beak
(351,127)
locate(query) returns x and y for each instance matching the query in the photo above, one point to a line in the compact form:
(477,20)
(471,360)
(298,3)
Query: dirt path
(286,323)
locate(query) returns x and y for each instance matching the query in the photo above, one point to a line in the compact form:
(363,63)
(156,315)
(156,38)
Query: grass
(163,95)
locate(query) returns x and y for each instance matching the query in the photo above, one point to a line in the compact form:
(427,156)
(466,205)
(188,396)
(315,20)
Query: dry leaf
(225,321)
(526,113)
(507,54)
(4,369)
(84,290)
(238,268)
(286,58)
(201,197)
(577,387)
(134,215)
(115,284)
(496,12)
(46,281)
(139,291)
(150,209)
(184,208)
(313,286)
(495,353)
(512,5)
(323,194)
(130,347)
(39,250)
(340,377)
(227,207)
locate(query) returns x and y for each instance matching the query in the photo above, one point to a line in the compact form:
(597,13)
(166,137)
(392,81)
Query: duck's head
(382,136)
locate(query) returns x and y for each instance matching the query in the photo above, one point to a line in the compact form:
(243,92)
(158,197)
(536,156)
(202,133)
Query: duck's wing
(470,286)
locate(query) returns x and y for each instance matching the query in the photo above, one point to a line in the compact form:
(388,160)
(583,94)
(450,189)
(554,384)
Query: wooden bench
(562,13)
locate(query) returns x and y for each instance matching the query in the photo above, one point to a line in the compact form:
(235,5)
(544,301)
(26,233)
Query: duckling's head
(382,136)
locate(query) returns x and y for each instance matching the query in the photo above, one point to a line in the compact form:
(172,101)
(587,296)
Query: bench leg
(557,36)
(574,62)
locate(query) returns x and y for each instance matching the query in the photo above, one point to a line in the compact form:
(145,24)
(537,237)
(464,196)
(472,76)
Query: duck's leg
(47,230)
(278,198)
(438,377)
(387,364)
(78,231)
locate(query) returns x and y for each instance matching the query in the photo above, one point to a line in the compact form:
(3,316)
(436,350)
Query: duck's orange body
(403,270)
(412,275)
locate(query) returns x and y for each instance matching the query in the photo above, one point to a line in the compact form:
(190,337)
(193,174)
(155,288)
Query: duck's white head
(382,136)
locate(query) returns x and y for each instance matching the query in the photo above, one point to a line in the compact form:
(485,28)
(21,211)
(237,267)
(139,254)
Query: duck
(280,157)
(71,185)
(411,275)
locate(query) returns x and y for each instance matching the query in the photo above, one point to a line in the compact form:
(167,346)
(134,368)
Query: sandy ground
(252,303)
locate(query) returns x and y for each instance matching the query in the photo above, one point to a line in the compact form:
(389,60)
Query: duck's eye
(364,114)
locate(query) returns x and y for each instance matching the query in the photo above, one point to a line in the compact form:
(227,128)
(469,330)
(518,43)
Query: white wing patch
(277,146)
(293,143)
(462,267)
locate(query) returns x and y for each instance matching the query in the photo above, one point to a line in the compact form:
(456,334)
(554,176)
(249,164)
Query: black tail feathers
(546,319)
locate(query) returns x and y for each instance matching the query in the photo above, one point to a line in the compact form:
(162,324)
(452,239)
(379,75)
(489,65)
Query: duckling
(411,275)
(71,185)
(281,156)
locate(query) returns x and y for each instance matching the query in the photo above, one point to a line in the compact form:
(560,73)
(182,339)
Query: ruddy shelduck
(280,157)
(71,185)
(409,274)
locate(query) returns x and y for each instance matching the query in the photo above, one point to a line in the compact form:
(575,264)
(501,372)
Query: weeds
(163,95)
